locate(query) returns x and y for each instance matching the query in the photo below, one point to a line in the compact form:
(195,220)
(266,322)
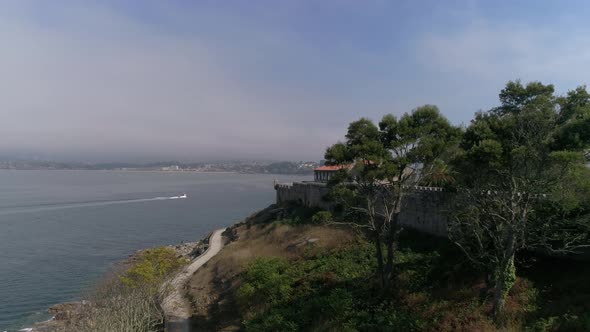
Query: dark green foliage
(322,217)
(296,214)
(563,301)
(521,184)
(275,321)
(418,138)
(335,291)
(321,290)
(532,135)
(266,282)
(515,96)
(436,290)
(385,162)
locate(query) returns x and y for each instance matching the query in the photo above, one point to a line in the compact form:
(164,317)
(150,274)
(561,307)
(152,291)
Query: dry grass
(211,286)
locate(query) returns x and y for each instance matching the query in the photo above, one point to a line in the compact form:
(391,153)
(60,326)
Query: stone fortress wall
(423,208)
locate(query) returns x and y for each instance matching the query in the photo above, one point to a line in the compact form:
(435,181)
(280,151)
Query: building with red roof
(323,173)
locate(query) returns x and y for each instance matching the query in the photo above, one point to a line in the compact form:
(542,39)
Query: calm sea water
(61,230)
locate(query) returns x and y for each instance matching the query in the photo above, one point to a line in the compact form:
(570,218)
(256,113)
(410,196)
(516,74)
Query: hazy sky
(195,80)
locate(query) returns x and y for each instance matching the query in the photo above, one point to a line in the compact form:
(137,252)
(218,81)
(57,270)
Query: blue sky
(195,80)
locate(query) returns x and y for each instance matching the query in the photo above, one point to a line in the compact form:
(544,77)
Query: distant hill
(282,167)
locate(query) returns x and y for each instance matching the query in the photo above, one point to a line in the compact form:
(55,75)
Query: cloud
(104,82)
(496,50)
(156,80)
(466,65)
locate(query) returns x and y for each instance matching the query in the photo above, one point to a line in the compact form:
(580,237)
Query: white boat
(182,196)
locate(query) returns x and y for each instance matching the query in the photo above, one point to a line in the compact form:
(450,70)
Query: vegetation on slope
(285,233)
(388,160)
(271,278)
(518,172)
(435,290)
(129,301)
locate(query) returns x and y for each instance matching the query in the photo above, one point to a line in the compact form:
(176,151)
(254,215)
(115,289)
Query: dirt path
(176,306)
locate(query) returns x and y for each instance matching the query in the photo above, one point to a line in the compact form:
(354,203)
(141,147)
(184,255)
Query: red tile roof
(339,167)
(330,168)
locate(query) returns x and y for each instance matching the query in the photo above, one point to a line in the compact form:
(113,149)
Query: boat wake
(60,206)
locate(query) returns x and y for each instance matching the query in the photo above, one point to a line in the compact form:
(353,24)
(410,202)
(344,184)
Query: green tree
(574,120)
(516,163)
(390,160)
(359,189)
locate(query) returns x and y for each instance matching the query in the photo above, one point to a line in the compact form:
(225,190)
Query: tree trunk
(392,241)
(499,299)
(390,254)
(505,278)
(379,255)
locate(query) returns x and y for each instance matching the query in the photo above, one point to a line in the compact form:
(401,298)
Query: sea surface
(61,230)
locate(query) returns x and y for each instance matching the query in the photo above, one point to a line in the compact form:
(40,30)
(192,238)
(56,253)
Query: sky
(149,80)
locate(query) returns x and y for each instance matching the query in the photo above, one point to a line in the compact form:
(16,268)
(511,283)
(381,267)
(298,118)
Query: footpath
(177,308)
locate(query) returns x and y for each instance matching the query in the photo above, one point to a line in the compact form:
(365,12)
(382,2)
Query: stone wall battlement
(421,188)
(423,208)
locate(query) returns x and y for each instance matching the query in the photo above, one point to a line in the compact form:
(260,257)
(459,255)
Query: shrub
(130,302)
(295,214)
(434,290)
(265,283)
(321,217)
(317,293)
(115,306)
(272,322)
(152,266)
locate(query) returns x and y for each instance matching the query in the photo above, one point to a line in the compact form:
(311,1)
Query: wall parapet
(309,194)
(424,208)
(422,188)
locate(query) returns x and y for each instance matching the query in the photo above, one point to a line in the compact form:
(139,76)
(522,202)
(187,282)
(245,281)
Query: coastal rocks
(230,234)
(190,250)
(66,314)
(63,314)
(68,310)
(187,250)
(199,249)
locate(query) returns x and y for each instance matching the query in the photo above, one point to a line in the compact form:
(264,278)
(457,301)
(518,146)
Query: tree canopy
(522,173)
(388,160)
(518,172)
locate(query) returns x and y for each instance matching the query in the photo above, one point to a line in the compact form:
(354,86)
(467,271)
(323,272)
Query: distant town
(264,167)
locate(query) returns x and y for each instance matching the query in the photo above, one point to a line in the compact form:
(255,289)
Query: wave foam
(84,204)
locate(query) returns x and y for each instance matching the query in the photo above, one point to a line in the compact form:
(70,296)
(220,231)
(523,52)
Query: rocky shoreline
(62,313)
(65,312)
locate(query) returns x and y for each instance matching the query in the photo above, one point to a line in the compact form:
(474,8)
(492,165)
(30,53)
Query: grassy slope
(277,285)
(213,287)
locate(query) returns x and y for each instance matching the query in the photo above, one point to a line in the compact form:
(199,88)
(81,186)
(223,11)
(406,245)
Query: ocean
(61,230)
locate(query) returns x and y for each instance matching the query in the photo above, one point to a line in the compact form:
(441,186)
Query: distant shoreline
(147,171)
(228,167)
(119,170)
